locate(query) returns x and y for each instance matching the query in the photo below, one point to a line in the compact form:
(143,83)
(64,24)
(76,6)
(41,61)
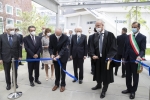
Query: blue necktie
(10,40)
(78,39)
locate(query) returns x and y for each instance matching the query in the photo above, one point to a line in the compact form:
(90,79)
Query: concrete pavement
(74,91)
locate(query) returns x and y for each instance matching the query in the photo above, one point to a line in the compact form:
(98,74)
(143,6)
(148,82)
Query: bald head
(58,31)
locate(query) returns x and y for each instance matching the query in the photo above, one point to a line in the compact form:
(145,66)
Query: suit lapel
(75,39)
(105,38)
(13,39)
(6,38)
(31,41)
(81,38)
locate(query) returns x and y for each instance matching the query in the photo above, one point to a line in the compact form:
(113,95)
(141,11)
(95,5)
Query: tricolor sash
(136,49)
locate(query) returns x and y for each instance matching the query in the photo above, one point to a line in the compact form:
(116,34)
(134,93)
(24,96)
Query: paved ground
(74,91)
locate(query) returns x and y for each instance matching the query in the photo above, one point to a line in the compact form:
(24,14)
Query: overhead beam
(49,4)
(99,5)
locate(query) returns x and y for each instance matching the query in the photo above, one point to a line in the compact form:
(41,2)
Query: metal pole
(15,94)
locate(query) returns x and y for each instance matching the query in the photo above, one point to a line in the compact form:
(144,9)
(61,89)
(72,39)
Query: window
(91,22)
(10,21)
(121,21)
(9,9)
(73,24)
(1,25)
(18,21)
(1,7)
(18,11)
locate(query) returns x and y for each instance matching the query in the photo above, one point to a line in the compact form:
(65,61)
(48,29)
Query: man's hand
(56,58)
(70,57)
(35,56)
(109,59)
(20,58)
(1,61)
(138,59)
(95,57)
(52,56)
(84,57)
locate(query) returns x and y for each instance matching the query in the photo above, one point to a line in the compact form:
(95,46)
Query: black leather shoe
(8,87)
(125,91)
(132,95)
(80,81)
(20,63)
(74,80)
(123,76)
(102,94)
(115,74)
(38,82)
(17,86)
(42,67)
(96,87)
(32,84)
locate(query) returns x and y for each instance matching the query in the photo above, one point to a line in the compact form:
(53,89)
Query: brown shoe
(54,88)
(62,89)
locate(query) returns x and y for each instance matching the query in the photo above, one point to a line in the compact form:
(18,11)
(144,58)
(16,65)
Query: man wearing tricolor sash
(134,50)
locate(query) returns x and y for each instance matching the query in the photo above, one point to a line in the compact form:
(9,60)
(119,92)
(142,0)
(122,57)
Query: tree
(32,18)
(134,14)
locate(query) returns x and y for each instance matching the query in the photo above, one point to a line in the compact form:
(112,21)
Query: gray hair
(100,20)
(9,26)
(79,27)
(58,29)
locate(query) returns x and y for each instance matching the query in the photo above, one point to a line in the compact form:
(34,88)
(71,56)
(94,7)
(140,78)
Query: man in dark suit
(21,40)
(41,35)
(33,47)
(58,49)
(120,43)
(131,53)
(9,48)
(78,53)
(70,37)
(103,47)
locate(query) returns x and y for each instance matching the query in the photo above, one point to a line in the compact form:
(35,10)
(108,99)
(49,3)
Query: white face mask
(78,33)
(98,29)
(48,34)
(12,32)
(33,33)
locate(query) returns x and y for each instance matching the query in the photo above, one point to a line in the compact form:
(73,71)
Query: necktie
(10,40)
(101,43)
(57,39)
(134,35)
(33,40)
(78,39)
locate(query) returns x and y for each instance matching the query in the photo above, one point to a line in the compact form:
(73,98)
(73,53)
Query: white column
(57,17)
(79,18)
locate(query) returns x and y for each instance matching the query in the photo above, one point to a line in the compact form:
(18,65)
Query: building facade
(10,11)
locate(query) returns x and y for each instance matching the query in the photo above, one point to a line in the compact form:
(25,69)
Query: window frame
(9,19)
(18,9)
(6,9)
(18,21)
(2,7)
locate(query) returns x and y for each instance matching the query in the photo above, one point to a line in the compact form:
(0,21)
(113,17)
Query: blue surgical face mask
(134,30)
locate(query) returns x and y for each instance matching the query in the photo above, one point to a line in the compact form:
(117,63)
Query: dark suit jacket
(8,52)
(128,51)
(61,47)
(32,49)
(78,49)
(89,42)
(120,43)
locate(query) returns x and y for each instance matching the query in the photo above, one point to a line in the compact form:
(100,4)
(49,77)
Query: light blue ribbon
(143,64)
(44,59)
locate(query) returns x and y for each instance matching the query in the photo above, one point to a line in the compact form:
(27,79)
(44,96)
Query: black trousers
(59,71)
(78,63)
(99,76)
(119,57)
(7,68)
(33,66)
(131,73)
(92,65)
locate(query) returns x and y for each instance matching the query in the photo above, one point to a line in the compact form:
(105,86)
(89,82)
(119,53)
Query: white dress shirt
(102,39)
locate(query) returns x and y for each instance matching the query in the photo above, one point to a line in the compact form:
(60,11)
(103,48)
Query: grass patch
(148,51)
(23,57)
